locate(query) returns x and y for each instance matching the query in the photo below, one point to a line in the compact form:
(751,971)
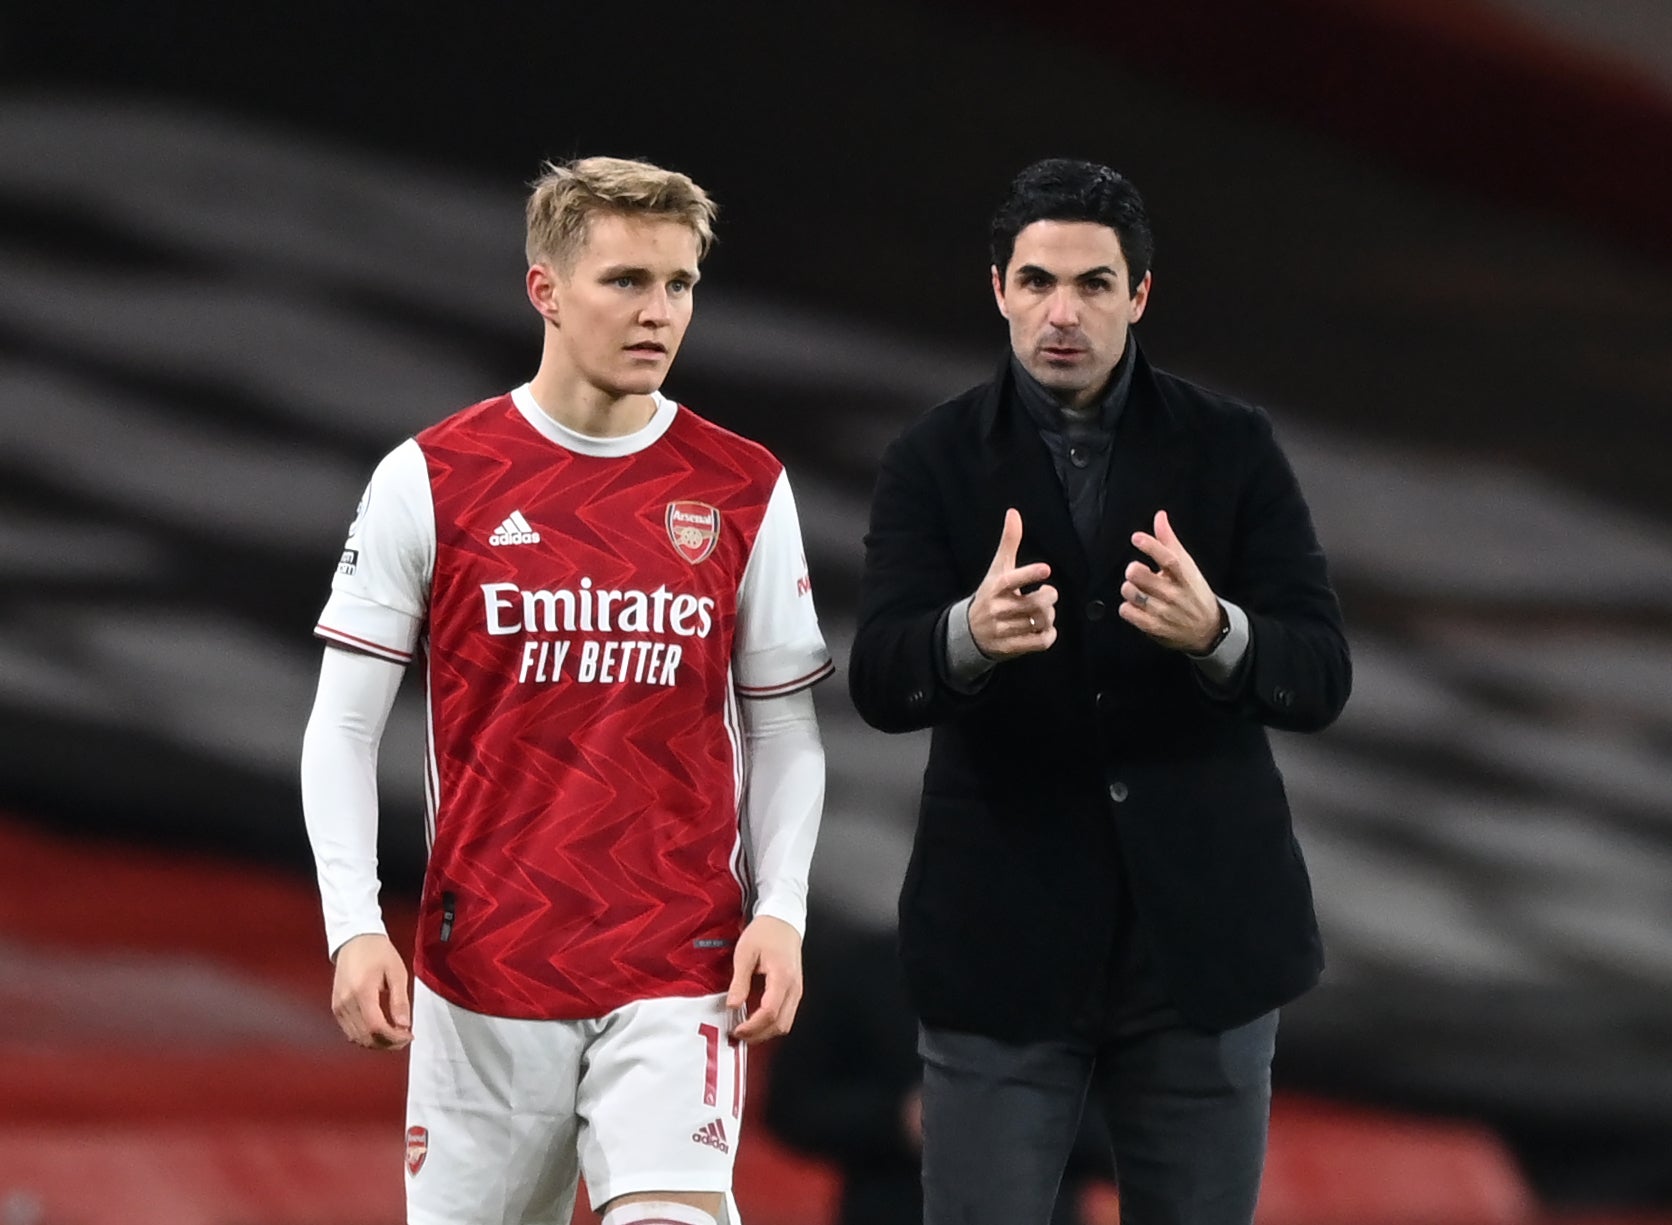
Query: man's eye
(1097,285)
(1036,282)
(679,286)
(624,282)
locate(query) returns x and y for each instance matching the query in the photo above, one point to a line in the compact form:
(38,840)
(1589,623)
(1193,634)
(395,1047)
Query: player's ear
(542,291)
(998,290)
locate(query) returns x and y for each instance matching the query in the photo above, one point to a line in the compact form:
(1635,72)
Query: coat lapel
(1150,455)
(1022,475)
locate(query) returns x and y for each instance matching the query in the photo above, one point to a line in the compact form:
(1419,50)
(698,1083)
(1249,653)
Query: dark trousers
(1187,1113)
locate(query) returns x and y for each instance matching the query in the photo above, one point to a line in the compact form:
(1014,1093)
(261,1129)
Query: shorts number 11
(711,1074)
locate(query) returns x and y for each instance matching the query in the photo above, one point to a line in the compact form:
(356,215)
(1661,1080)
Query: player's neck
(582,406)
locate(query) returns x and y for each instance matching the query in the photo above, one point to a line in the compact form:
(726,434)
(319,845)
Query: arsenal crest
(694,529)
(417,1148)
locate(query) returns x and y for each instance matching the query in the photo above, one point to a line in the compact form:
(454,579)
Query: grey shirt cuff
(1220,666)
(966,668)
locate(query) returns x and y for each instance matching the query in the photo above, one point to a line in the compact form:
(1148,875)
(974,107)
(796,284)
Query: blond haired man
(611,598)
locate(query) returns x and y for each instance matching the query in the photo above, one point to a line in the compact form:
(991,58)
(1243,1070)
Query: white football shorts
(503,1116)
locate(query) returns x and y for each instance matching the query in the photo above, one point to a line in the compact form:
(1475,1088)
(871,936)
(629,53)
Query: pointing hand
(1004,622)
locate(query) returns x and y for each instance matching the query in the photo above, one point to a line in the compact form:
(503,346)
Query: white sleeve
(778,648)
(382,587)
(339,787)
(784,802)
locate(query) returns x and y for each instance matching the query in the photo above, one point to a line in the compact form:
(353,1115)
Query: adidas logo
(713,1135)
(514,530)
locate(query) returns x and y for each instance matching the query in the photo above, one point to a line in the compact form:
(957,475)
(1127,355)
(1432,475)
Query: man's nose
(1064,308)
(657,308)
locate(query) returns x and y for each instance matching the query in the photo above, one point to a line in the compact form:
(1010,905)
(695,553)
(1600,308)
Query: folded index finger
(759,1025)
(1023,576)
(1163,556)
(378,1025)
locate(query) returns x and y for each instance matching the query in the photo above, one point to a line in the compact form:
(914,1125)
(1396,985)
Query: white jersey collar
(586,444)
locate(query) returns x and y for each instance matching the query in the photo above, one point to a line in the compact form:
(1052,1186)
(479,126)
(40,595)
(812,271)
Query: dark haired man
(1104,890)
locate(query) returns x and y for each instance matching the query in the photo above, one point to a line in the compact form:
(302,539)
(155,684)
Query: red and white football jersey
(590,611)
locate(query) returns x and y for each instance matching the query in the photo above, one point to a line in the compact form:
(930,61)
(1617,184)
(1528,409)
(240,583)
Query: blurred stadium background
(243,252)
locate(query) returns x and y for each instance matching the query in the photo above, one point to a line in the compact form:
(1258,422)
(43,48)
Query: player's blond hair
(567,195)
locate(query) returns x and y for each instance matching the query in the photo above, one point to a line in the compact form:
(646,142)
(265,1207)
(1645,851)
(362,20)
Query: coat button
(1105,699)
(918,697)
(1079,455)
(1283,696)
(1095,610)
(1118,792)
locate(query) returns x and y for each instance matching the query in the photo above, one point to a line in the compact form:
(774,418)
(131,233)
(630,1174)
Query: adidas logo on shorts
(515,530)
(713,1135)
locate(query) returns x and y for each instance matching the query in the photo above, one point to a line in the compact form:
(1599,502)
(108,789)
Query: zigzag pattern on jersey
(585,830)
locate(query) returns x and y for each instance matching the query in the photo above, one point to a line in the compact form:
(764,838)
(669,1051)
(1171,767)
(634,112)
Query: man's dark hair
(1065,189)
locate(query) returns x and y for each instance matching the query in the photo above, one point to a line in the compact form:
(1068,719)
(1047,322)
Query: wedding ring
(1141,600)
(1032,624)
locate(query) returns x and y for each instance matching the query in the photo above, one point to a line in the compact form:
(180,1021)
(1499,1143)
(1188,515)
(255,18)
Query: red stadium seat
(1338,1165)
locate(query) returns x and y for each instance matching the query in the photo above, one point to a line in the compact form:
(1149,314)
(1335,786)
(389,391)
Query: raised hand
(1004,622)
(1173,603)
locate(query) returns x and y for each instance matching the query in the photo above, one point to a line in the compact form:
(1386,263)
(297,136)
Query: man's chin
(635,383)
(1060,380)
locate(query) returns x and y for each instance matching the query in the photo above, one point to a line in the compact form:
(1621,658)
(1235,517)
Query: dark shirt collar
(1046,409)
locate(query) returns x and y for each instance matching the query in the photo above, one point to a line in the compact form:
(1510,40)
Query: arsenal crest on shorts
(694,529)
(417,1148)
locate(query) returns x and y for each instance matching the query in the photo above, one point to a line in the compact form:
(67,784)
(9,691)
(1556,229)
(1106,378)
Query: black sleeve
(909,581)
(1299,672)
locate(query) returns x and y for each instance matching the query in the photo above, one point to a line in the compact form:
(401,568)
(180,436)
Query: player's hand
(1173,603)
(771,949)
(368,996)
(1004,622)
(911,1118)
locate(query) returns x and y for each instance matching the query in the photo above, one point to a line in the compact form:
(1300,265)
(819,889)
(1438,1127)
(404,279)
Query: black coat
(1107,748)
